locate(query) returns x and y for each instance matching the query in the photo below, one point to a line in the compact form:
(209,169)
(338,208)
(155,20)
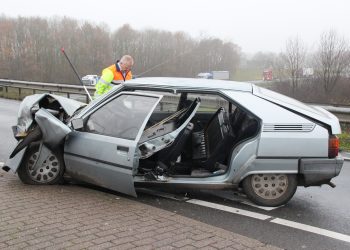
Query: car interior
(204,146)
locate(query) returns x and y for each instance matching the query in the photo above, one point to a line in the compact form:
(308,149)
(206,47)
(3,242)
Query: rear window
(210,103)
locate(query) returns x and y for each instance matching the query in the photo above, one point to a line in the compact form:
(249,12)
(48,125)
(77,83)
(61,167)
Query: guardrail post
(19,93)
(68,95)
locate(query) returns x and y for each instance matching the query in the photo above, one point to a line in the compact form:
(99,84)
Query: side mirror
(77,123)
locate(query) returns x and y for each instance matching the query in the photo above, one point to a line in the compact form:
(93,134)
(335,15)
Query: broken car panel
(32,103)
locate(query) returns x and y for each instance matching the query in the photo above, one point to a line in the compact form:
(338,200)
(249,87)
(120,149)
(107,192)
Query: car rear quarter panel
(315,112)
(294,144)
(285,143)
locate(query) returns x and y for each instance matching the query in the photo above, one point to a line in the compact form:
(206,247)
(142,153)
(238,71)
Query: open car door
(105,152)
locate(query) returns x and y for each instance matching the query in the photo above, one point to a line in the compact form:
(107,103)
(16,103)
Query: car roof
(175,83)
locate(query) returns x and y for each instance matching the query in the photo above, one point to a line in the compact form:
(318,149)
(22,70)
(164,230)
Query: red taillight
(333,146)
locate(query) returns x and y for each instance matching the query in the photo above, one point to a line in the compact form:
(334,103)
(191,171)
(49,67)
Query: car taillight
(333,146)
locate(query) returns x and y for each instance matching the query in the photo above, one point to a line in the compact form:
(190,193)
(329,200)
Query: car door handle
(123,149)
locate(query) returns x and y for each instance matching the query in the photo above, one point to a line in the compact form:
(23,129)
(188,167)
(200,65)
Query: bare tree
(280,71)
(294,58)
(332,59)
(30,50)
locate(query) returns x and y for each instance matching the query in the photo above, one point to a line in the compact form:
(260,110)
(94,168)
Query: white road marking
(240,198)
(312,229)
(264,208)
(230,209)
(288,223)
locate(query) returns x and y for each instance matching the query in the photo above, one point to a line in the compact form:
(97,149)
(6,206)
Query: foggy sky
(254,25)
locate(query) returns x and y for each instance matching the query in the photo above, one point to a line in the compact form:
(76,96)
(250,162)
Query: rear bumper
(318,171)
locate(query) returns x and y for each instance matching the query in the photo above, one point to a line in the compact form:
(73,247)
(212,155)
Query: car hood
(314,112)
(25,113)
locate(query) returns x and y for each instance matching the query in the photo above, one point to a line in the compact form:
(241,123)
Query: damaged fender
(31,103)
(50,130)
(54,131)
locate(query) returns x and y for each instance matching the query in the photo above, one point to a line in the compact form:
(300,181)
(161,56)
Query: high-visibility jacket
(111,76)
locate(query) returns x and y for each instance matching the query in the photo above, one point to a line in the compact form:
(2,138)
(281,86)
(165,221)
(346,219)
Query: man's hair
(127,60)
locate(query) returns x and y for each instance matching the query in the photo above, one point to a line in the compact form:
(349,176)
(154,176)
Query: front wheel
(270,189)
(50,172)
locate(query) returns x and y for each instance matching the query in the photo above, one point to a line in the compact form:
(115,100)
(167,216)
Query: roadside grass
(247,75)
(344,140)
(344,137)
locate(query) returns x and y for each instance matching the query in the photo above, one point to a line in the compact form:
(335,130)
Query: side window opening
(122,117)
(210,102)
(204,147)
(167,106)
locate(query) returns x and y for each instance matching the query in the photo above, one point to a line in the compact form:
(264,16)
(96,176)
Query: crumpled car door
(96,155)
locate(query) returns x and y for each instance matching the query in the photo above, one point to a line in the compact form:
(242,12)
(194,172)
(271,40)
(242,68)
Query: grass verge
(344,137)
(344,140)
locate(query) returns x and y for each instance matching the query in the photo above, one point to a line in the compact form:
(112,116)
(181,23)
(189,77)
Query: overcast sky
(254,25)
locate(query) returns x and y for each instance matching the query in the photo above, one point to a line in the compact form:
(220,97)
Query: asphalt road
(8,118)
(320,207)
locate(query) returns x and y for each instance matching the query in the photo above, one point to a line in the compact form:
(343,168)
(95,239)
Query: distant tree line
(320,75)
(30,50)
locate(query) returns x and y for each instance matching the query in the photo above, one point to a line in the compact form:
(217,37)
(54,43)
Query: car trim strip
(101,161)
(289,157)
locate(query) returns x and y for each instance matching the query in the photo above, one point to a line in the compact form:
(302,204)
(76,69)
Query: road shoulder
(71,217)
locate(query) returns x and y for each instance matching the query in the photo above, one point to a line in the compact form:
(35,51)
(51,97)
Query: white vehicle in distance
(216,75)
(90,79)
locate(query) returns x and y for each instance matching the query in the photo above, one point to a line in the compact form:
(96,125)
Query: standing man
(114,74)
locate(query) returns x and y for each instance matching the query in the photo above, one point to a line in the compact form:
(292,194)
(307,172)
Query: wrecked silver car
(179,133)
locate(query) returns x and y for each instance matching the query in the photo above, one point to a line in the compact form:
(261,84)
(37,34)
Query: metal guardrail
(51,88)
(343,113)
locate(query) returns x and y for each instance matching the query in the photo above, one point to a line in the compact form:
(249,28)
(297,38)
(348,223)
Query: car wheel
(50,172)
(270,189)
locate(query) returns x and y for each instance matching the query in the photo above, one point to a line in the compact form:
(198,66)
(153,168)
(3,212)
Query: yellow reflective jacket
(109,74)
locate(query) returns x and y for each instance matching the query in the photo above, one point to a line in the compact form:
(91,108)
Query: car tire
(51,172)
(270,190)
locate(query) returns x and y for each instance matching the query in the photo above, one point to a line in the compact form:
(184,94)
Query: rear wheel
(270,189)
(50,172)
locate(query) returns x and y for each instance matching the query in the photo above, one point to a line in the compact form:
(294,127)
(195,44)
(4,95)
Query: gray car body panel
(53,134)
(180,84)
(314,112)
(15,162)
(101,160)
(283,133)
(104,160)
(320,171)
(25,117)
(54,131)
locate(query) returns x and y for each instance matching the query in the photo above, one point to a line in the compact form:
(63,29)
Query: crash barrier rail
(41,87)
(20,89)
